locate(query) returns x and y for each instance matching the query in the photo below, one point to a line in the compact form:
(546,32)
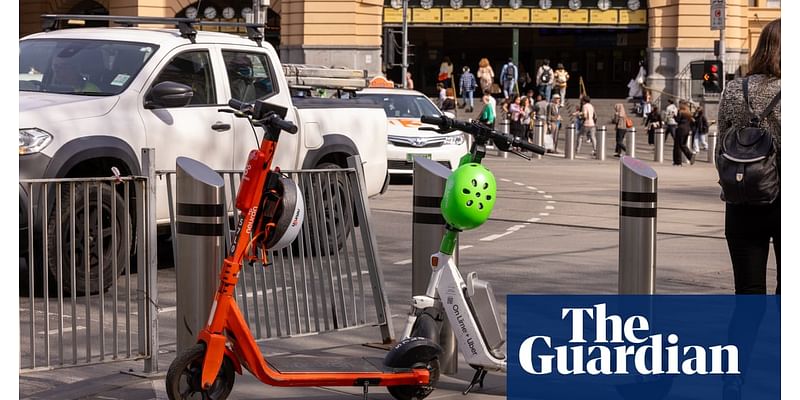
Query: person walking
(485,76)
(544,79)
(467,85)
(554,119)
(700,130)
(445,72)
(487,116)
(589,125)
(620,122)
(651,123)
(670,117)
(682,134)
(508,77)
(561,76)
(749,228)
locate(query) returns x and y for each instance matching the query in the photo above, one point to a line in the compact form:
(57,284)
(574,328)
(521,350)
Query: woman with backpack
(700,130)
(750,223)
(620,121)
(682,133)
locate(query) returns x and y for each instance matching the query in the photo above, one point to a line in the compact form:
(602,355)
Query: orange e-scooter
(271,212)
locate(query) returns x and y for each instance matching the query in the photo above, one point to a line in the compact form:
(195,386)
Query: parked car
(91,98)
(405,141)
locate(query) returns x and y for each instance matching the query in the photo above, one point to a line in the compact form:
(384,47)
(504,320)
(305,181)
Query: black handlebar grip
(432,119)
(237,105)
(287,126)
(530,146)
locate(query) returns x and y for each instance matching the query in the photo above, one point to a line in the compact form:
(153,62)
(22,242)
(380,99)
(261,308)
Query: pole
(601,143)
(637,227)
(428,228)
(404,68)
(569,143)
(659,139)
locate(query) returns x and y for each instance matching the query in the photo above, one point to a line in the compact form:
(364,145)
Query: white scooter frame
(446,281)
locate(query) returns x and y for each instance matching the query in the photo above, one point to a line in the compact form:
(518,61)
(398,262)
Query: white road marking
(403,262)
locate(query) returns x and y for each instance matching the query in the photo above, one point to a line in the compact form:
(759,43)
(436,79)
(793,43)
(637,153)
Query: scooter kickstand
(480,373)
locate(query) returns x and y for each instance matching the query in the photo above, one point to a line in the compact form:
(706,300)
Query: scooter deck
(286,364)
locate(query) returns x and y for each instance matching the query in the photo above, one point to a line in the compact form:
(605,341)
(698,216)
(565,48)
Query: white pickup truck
(92,98)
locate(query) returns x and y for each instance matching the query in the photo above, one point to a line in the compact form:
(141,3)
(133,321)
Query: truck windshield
(77,66)
(403,106)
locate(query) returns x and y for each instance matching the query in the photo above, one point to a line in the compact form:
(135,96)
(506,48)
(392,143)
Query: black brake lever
(521,154)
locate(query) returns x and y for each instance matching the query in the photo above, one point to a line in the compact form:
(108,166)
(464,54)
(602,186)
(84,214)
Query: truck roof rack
(184,25)
(306,77)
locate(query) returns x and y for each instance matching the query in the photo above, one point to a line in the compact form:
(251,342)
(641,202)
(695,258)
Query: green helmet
(469,196)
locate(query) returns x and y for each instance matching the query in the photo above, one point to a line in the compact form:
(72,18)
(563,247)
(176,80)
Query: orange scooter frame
(226,333)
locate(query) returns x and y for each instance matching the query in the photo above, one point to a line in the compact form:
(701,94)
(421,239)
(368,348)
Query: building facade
(600,42)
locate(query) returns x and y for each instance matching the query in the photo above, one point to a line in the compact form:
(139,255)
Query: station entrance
(605,59)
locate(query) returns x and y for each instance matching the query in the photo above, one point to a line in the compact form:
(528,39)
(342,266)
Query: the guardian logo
(627,350)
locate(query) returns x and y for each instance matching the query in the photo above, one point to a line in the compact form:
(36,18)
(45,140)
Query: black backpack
(511,71)
(546,71)
(747,160)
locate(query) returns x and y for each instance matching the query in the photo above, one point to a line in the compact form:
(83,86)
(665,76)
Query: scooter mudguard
(412,351)
(215,351)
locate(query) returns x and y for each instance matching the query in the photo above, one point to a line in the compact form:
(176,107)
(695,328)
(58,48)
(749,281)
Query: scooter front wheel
(185,373)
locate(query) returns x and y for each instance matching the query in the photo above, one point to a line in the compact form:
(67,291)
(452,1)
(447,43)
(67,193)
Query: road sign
(717,15)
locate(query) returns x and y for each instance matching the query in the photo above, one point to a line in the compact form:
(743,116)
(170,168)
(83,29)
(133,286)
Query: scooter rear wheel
(185,372)
(418,392)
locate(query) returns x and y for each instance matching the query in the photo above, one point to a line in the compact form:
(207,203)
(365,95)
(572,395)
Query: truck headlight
(33,140)
(454,140)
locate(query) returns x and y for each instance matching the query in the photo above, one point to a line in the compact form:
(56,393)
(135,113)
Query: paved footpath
(554,230)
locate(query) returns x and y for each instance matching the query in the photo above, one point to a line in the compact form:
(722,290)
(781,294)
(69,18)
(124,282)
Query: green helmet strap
(469,196)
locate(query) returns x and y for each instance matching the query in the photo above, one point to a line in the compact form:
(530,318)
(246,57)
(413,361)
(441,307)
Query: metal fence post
(538,132)
(505,127)
(631,142)
(601,142)
(637,227)
(361,201)
(569,145)
(659,141)
(712,147)
(428,228)
(200,216)
(150,269)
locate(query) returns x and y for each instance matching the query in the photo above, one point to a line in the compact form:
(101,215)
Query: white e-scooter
(468,305)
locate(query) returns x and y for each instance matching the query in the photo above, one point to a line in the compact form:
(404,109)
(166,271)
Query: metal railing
(81,300)
(324,280)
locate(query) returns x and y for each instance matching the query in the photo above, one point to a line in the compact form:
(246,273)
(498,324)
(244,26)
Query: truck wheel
(106,230)
(339,220)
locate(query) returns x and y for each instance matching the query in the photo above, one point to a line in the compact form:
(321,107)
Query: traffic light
(711,76)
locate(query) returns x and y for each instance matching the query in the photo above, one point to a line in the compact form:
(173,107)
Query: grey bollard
(199,219)
(426,236)
(569,145)
(712,147)
(659,140)
(538,132)
(601,142)
(637,227)
(631,141)
(505,127)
